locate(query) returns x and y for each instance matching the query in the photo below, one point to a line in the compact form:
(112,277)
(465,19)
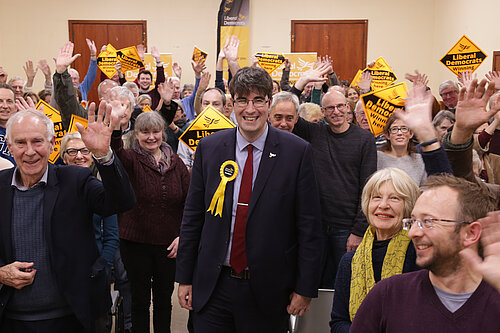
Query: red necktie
(238,259)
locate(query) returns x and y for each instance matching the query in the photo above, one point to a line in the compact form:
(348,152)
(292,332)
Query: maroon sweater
(408,303)
(157,214)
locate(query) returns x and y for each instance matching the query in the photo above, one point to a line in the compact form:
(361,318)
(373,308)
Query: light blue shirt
(241,157)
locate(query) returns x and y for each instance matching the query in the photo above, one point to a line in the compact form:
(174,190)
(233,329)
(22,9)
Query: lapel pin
(271,155)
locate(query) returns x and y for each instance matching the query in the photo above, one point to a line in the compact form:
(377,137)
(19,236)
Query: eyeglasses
(258,102)
(426,223)
(403,129)
(341,107)
(73,152)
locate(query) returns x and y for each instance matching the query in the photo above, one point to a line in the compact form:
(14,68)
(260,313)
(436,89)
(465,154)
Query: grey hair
(122,92)
(19,116)
(448,84)
(104,83)
(130,85)
(441,116)
(285,96)
(143,97)
(67,138)
(175,78)
(73,70)
(16,78)
(149,120)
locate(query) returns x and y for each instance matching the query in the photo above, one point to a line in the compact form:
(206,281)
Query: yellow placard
(382,75)
(150,65)
(380,104)
(270,61)
(199,54)
(129,58)
(299,63)
(106,61)
(77,119)
(210,120)
(55,116)
(147,109)
(464,55)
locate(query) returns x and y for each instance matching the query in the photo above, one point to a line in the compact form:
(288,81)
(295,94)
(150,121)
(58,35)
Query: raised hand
(177,69)
(205,79)
(3,75)
(92,48)
(495,78)
(365,81)
(156,54)
(288,64)
(231,48)
(471,110)
(166,90)
(317,74)
(97,136)
(198,67)
(65,57)
(141,50)
(44,67)
(30,71)
(328,60)
(253,61)
(25,104)
(417,78)
(465,78)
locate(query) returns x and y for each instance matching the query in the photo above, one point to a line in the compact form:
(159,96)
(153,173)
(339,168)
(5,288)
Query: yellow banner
(129,58)
(270,61)
(199,54)
(207,122)
(299,63)
(150,65)
(380,104)
(147,109)
(382,75)
(464,55)
(55,116)
(74,120)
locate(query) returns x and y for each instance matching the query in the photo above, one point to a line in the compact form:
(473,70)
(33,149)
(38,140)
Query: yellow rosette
(228,172)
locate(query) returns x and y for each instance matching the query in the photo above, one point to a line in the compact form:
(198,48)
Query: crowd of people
(300,195)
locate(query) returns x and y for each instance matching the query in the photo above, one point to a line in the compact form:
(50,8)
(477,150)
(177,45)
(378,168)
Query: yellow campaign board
(129,58)
(207,122)
(147,109)
(270,61)
(76,119)
(382,75)
(106,61)
(380,104)
(299,63)
(199,54)
(150,65)
(55,116)
(464,55)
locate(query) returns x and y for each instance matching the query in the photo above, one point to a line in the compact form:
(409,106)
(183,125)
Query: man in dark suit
(53,279)
(247,259)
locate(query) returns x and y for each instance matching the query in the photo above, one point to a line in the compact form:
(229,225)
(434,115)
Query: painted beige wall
(409,34)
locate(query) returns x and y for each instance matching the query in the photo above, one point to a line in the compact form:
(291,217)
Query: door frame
(141,22)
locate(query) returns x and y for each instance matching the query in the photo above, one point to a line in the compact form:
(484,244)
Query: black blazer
(284,242)
(72,195)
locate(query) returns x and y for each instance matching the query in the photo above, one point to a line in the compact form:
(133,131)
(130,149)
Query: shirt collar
(21,187)
(259,144)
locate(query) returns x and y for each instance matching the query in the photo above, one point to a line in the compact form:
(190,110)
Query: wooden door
(496,61)
(120,34)
(343,40)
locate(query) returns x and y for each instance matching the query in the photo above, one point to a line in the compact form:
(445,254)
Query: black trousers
(232,308)
(148,267)
(57,325)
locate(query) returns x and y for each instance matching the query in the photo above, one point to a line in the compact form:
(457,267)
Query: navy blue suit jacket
(72,194)
(284,242)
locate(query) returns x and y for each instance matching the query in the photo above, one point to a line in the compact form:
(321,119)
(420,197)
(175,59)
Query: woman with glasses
(386,250)
(400,152)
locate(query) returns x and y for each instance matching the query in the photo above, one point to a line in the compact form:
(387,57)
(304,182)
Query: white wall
(409,34)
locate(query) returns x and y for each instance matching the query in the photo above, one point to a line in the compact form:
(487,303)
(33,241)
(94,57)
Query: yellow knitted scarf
(362,279)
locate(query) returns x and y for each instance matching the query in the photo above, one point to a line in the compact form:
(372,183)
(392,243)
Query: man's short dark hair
(251,79)
(8,86)
(222,94)
(474,202)
(146,72)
